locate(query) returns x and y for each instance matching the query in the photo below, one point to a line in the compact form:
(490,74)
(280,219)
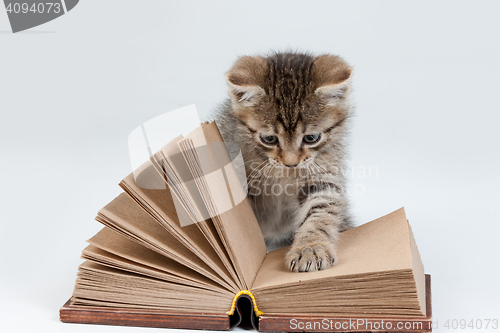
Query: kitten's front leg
(314,245)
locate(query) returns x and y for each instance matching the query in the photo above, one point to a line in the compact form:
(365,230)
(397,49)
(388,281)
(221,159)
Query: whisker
(262,179)
(255,171)
(322,168)
(316,167)
(268,173)
(309,171)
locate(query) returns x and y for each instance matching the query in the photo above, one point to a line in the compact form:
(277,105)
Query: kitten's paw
(310,258)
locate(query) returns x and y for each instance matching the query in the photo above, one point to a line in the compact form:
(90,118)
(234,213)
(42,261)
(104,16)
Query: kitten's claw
(310,258)
(292,265)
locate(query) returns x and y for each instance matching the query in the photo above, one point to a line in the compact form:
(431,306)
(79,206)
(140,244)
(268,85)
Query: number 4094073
(472,324)
(47,7)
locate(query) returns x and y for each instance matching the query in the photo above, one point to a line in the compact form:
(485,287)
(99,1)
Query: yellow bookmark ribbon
(245,292)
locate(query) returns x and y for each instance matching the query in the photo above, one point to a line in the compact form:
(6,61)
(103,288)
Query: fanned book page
(234,219)
(181,248)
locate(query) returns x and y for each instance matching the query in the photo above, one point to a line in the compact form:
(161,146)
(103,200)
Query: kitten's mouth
(299,165)
(291,166)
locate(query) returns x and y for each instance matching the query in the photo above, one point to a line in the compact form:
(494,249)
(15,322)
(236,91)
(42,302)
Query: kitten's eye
(311,138)
(269,139)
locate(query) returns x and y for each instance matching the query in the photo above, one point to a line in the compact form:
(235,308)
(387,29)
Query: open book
(150,267)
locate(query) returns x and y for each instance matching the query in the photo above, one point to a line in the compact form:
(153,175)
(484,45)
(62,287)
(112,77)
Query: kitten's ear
(333,78)
(244,80)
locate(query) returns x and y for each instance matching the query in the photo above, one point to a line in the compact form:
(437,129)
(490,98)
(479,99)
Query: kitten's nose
(291,165)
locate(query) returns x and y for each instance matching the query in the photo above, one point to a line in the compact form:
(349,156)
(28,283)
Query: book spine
(254,303)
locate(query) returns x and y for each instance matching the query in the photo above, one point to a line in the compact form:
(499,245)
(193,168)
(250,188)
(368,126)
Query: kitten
(289,114)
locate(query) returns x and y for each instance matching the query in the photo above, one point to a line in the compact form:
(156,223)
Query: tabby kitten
(289,113)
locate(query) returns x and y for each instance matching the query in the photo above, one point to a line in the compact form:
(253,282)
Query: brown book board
(264,323)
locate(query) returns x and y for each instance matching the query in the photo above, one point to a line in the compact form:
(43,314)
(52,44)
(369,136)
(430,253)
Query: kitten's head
(291,105)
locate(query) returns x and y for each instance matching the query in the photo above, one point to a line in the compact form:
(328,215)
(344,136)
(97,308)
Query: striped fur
(278,104)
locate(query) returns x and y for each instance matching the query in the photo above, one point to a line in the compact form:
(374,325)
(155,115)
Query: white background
(426,88)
